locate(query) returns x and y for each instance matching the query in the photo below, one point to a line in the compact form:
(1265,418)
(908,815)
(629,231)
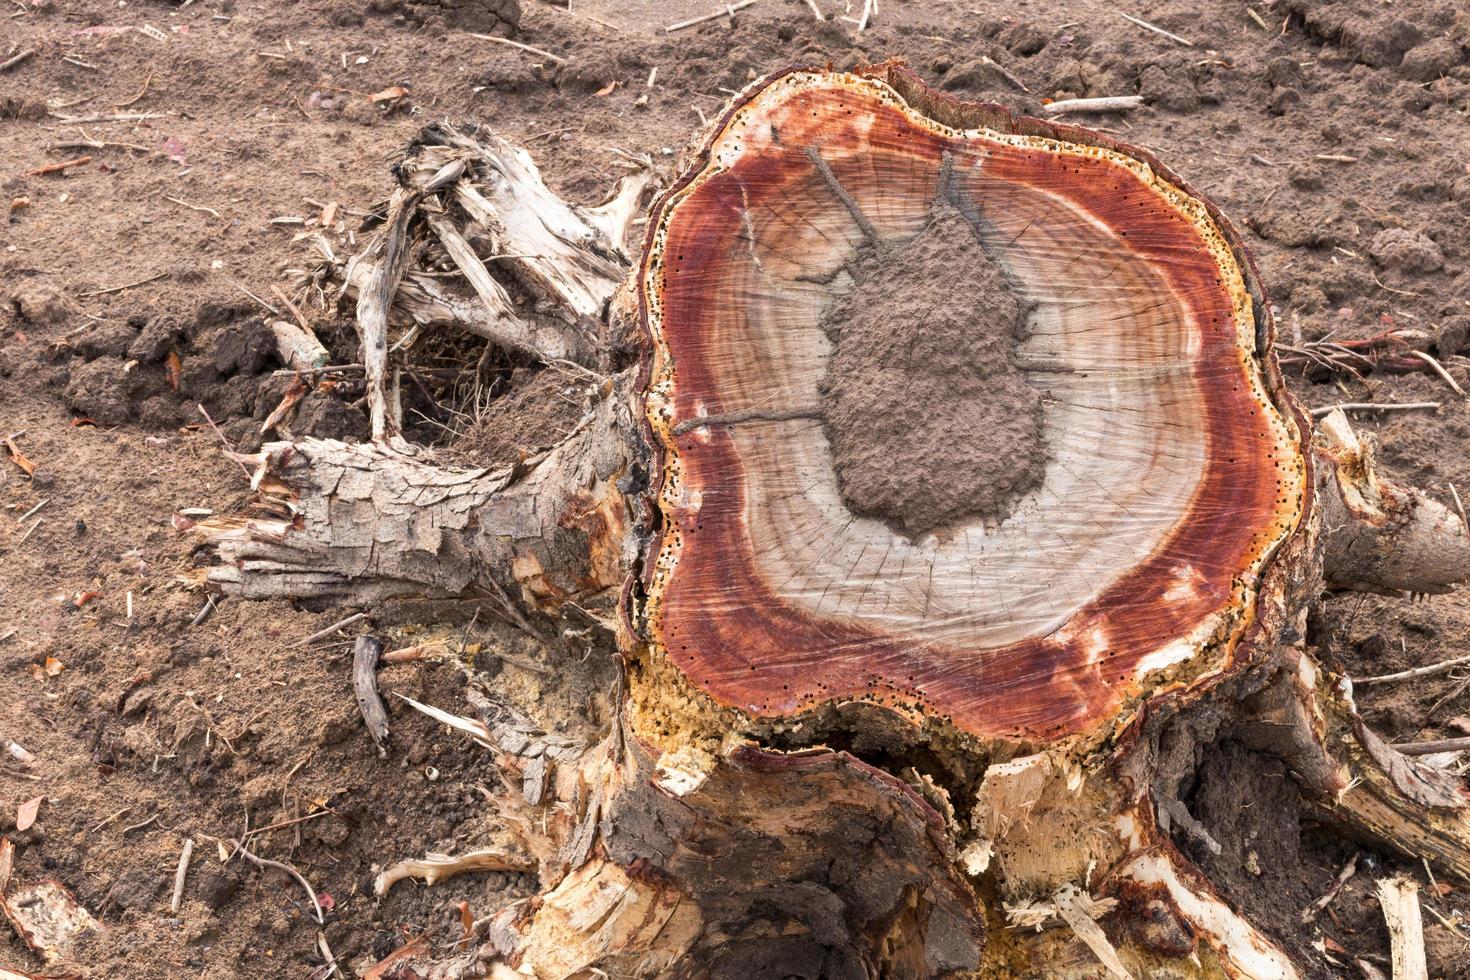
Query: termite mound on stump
(943,504)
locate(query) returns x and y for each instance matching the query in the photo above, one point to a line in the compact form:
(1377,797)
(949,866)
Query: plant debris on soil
(211,147)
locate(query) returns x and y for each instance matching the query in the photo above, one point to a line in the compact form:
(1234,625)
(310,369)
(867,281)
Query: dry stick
(32,512)
(1432,748)
(101,145)
(23,537)
(139,826)
(253,296)
(107,820)
(1111,103)
(261,862)
(1004,73)
(117,117)
(228,448)
(141,92)
(204,613)
(11,63)
(281,825)
(1156,29)
(816,11)
(1438,369)
(193,207)
(181,874)
(1460,508)
(365,686)
(127,285)
(322,634)
(292,307)
(523,47)
(1348,870)
(1325,410)
(728,11)
(867,14)
(59,166)
(1442,667)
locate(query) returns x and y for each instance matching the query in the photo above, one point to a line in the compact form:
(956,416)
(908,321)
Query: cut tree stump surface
(1170,473)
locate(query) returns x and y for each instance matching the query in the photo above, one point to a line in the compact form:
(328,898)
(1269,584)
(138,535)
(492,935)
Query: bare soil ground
(1334,131)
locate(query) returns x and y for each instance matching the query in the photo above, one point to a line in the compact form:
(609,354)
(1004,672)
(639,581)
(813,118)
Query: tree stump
(943,505)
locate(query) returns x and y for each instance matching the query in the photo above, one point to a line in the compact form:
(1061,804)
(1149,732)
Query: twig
(204,613)
(141,92)
(1325,410)
(1348,870)
(261,862)
(816,11)
(296,312)
(1433,748)
(107,820)
(80,63)
(365,686)
(139,826)
(867,15)
(193,207)
(523,47)
(1460,507)
(1443,667)
(23,537)
(127,285)
(12,62)
(228,449)
(180,874)
(1438,369)
(253,296)
(102,145)
(116,117)
(1111,103)
(32,512)
(1004,72)
(1156,29)
(728,11)
(322,634)
(280,825)
(59,166)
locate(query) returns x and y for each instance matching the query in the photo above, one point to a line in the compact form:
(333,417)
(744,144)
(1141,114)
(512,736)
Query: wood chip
(365,686)
(25,815)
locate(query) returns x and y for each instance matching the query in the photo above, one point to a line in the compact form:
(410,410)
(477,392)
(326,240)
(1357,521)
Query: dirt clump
(931,422)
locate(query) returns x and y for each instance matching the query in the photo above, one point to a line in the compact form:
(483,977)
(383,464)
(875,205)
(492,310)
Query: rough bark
(923,787)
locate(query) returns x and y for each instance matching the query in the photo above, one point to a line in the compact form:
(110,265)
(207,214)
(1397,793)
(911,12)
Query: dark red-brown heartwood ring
(988,432)
(939,507)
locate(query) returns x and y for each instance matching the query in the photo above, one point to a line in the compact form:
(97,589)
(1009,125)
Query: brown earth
(1335,135)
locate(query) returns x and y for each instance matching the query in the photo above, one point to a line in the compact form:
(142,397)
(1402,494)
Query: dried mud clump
(930,421)
(1408,251)
(40,304)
